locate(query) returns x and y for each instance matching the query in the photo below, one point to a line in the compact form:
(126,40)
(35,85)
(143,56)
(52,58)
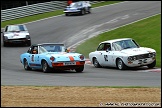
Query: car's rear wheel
(96,63)
(152,64)
(45,66)
(80,69)
(120,64)
(26,66)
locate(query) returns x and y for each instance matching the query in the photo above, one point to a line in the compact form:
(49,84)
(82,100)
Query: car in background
(16,34)
(81,8)
(52,56)
(122,53)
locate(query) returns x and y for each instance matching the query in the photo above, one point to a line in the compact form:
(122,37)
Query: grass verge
(146,32)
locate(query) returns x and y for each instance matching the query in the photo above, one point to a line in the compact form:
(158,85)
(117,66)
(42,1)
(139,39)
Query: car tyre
(152,64)
(4,44)
(66,14)
(120,64)
(96,63)
(45,67)
(80,69)
(82,12)
(89,10)
(28,43)
(26,66)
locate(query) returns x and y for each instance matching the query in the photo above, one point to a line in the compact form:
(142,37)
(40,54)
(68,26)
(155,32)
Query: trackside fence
(29,10)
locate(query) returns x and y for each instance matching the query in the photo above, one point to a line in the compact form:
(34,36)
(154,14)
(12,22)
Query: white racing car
(80,7)
(16,34)
(122,53)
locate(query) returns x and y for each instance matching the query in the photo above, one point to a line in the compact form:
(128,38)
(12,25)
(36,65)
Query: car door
(107,54)
(34,58)
(100,54)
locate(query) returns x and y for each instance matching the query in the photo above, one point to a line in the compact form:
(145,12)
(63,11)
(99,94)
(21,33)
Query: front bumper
(62,65)
(20,40)
(140,62)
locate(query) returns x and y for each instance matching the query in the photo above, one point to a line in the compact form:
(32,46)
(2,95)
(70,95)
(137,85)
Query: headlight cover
(132,58)
(27,36)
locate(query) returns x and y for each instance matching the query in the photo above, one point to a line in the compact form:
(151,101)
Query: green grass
(47,14)
(146,32)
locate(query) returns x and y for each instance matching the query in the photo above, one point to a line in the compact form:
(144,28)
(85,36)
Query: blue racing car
(52,56)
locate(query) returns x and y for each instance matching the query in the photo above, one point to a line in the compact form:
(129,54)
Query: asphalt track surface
(72,30)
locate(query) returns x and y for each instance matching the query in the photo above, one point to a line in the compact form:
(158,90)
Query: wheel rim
(120,64)
(26,65)
(95,62)
(82,12)
(44,66)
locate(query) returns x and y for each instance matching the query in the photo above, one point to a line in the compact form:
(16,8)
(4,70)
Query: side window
(107,47)
(35,50)
(100,47)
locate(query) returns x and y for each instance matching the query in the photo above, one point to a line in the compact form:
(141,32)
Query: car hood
(21,34)
(137,51)
(64,56)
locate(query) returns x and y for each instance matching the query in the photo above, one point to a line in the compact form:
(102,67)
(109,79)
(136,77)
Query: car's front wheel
(45,66)
(152,64)
(80,69)
(26,66)
(82,12)
(96,63)
(89,10)
(4,44)
(120,64)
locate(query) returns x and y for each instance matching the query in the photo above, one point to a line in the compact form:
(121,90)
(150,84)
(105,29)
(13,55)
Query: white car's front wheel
(120,64)
(96,63)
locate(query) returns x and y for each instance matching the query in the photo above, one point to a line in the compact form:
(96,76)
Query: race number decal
(32,58)
(106,57)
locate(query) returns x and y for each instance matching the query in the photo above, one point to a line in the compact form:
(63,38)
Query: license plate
(69,63)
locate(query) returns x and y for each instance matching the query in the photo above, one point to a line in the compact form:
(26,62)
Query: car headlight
(150,55)
(52,58)
(81,57)
(132,58)
(27,36)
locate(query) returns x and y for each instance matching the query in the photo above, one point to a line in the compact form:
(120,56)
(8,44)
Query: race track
(73,29)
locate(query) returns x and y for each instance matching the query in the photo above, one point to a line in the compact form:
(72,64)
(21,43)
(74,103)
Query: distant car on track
(16,34)
(122,53)
(52,56)
(81,8)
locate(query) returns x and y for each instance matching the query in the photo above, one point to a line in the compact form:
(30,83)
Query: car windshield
(125,44)
(76,4)
(16,28)
(52,48)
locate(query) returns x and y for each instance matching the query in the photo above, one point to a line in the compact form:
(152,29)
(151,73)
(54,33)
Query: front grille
(142,56)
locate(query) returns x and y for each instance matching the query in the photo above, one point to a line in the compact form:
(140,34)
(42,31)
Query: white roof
(114,40)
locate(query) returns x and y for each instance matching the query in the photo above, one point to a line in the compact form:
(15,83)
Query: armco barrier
(19,12)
